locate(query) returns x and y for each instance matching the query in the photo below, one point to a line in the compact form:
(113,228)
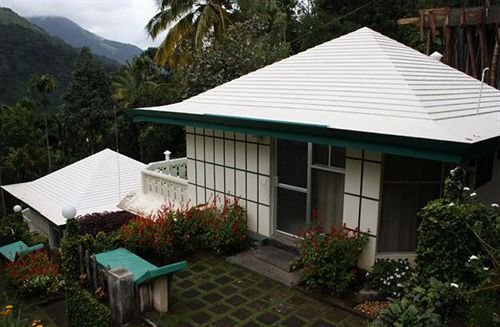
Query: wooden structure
(467,37)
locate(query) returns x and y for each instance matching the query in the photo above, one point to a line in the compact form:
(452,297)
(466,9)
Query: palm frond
(174,37)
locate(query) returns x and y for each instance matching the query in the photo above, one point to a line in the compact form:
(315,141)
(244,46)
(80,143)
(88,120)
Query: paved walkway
(213,292)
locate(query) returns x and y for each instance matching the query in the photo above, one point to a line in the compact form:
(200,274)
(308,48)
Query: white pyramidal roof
(94,184)
(362,81)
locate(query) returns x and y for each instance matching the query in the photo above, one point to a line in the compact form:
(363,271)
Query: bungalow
(93,184)
(361,130)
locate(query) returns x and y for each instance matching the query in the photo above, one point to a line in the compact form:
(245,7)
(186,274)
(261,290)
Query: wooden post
(121,295)
(160,294)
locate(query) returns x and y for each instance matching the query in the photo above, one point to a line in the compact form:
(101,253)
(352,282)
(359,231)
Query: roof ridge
(400,75)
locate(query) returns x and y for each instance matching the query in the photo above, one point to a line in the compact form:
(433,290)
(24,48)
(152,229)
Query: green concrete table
(11,251)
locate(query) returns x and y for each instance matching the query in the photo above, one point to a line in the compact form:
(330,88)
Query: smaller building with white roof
(94,184)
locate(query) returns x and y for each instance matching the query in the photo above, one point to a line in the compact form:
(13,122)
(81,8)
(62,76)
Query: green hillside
(78,37)
(27,50)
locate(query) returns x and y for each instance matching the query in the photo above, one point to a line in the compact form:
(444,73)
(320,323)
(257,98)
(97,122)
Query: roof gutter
(446,151)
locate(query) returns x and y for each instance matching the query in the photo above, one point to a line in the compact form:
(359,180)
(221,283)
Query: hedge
(83,310)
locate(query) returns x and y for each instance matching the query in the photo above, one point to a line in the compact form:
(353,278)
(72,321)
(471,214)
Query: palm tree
(44,84)
(187,21)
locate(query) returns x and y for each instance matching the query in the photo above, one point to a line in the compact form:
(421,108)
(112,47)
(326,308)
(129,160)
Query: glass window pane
(320,154)
(291,211)
(338,157)
(292,163)
(328,197)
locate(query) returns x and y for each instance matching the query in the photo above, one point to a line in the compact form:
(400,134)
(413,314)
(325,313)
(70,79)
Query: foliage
(246,47)
(223,230)
(390,276)
(84,310)
(171,234)
(35,274)
(106,222)
(70,252)
(28,50)
(86,107)
(445,239)
(404,313)
(160,238)
(329,257)
(100,243)
(192,21)
(13,229)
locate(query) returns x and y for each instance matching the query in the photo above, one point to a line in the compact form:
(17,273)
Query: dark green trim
(454,152)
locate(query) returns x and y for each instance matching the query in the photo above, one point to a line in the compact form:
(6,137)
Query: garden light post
(68,211)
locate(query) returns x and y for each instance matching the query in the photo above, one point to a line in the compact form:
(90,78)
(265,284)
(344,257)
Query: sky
(118,20)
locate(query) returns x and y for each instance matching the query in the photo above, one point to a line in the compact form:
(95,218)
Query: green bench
(13,250)
(141,269)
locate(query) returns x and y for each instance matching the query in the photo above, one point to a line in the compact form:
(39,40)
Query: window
(408,184)
(310,176)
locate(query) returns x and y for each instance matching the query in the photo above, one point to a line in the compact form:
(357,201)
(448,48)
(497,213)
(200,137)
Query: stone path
(213,292)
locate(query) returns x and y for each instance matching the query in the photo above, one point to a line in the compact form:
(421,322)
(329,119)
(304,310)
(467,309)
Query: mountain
(73,34)
(26,50)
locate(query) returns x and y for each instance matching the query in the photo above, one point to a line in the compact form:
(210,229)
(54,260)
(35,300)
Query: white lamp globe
(17,208)
(68,211)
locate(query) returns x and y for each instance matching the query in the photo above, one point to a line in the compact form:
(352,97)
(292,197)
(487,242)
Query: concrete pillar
(160,294)
(121,295)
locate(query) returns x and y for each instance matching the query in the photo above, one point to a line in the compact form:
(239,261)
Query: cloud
(118,20)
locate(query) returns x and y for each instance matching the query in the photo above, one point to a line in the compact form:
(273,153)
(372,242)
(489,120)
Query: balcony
(166,178)
(163,183)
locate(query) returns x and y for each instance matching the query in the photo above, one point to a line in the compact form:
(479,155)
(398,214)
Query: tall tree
(44,85)
(188,21)
(87,106)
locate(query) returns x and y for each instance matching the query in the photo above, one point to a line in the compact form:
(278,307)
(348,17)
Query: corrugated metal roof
(90,185)
(362,81)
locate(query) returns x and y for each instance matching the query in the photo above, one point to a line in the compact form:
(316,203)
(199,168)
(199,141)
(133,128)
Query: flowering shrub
(106,222)
(36,273)
(223,230)
(162,238)
(329,259)
(389,277)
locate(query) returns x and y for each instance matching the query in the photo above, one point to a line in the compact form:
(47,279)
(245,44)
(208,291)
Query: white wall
(362,198)
(226,164)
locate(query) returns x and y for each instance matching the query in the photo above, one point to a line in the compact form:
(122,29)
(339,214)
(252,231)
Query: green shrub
(329,258)
(403,313)
(13,229)
(83,310)
(70,252)
(389,277)
(100,243)
(444,298)
(446,236)
(224,230)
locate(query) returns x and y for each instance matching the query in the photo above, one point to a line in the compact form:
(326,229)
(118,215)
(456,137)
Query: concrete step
(276,257)
(249,261)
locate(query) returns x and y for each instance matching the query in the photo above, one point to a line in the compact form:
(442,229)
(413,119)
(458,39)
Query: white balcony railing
(168,179)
